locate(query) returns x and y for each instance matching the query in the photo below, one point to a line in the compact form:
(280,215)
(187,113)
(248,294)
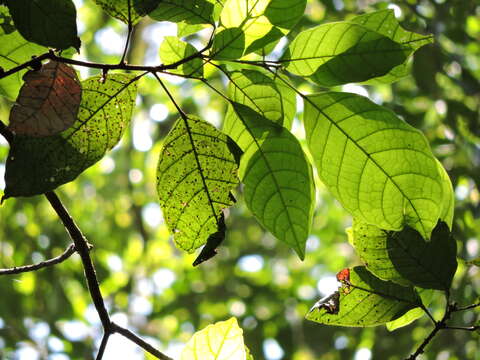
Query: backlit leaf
(277,178)
(36,165)
(46,22)
(261,22)
(187,11)
(14,50)
(410,316)
(195,174)
(384,22)
(48,102)
(343,52)
(367,301)
(124,10)
(173,50)
(220,341)
(259,91)
(405,257)
(380,168)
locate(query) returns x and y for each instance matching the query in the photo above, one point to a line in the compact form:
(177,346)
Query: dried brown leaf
(48,101)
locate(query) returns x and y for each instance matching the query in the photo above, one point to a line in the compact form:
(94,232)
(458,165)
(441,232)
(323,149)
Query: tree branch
(140,342)
(82,248)
(50,262)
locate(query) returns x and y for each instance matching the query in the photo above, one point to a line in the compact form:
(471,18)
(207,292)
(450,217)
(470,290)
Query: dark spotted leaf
(39,164)
(195,174)
(48,102)
(365,301)
(49,23)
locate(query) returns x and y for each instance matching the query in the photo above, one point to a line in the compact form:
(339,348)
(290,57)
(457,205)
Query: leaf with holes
(279,188)
(48,102)
(380,168)
(366,301)
(259,91)
(36,165)
(124,10)
(173,50)
(14,50)
(196,172)
(384,23)
(220,341)
(343,52)
(189,12)
(405,257)
(46,22)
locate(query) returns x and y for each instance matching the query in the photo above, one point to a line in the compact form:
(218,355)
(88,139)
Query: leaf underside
(48,102)
(259,91)
(125,10)
(191,12)
(367,301)
(277,178)
(380,168)
(195,174)
(220,341)
(405,257)
(37,165)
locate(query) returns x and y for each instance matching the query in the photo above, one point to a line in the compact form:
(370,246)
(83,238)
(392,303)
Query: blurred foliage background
(153,289)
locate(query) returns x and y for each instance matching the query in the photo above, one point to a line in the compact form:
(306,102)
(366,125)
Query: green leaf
(259,91)
(49,23)
(405,257)
(220,341)
(188,11)
(173,50)
(228,44)
(37,165)
(185,29)
(279,188)
(366,301)
(124,10)
(379,167)
(449,197)
(14,50)
(196,172)
(343,52)
(384,23)
(285,14)
(260,22)
(48,102)
(412,315)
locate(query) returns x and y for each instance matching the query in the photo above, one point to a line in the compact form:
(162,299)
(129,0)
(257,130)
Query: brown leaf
(48,101)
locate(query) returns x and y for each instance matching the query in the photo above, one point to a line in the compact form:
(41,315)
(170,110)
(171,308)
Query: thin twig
(50,262)
(82,248)
(6,133)
(466,328)
(103,345)
(468,307)
(140,342)
(129,34)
